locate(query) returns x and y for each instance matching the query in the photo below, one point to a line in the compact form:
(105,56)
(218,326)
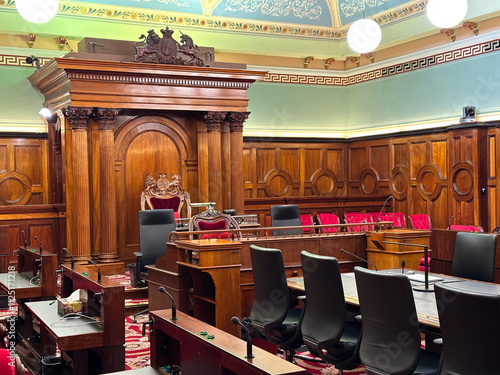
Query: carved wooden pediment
(166,50)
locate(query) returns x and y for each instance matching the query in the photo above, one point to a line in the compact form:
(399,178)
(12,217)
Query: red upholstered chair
(213,220)
(165,194)
(306,219)
(422,221)
(358,218)
(467,228)
(327,219)
(10,365)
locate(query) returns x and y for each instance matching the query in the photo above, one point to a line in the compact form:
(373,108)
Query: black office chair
(284,216)
(325,329)
(391,336)
(271,313)
(474,256)
(470,328)
(154,229)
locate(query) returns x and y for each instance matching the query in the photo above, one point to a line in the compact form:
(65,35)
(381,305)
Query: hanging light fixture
(37,11)
(446,13)
(364,35)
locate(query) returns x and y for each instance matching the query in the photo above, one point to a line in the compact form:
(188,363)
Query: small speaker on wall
(469,114)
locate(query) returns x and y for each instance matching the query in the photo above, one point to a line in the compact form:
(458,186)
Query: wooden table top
(425,302)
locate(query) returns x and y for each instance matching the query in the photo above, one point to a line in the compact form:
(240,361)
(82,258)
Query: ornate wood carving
(78,117)
(166,50)
(106,117)
(236,120)
(213,121)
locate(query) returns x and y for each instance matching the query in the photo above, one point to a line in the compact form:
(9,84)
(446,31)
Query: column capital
(78,117)
(106,117)
(213,121)
(236,120)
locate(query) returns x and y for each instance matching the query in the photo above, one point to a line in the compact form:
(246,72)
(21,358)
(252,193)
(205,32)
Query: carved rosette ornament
(236,120)
(106,118)
(213,121)
(78,117)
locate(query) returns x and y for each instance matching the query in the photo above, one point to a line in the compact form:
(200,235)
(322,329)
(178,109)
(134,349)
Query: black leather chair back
(283,216)
(325,329)
(470,327)
(154,229)
(474,256)
(391,337)
(271,301)
(325,299)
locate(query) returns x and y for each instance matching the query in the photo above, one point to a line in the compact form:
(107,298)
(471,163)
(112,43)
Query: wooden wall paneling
(467,173)
(380,162)
(400,176)
(357,160)
(249,171)
(145,144)
(267,162)
(23,171)
(287,177)
(335,161)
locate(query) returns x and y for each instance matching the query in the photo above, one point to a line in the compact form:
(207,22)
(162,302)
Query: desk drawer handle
(235,251)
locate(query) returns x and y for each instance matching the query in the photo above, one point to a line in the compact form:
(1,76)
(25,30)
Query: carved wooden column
(213,123)
(226,164)
(77,182)
(106,118)
(236,120)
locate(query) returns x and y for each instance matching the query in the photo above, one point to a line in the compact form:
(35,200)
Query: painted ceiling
(305,12)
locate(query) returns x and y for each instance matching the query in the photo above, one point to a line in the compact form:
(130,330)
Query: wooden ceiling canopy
(91,97)
(110,84)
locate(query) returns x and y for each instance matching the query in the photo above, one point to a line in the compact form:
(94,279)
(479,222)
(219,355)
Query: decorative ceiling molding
(151,16)
(406,64)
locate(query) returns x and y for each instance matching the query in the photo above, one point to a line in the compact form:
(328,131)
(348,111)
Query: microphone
(174,310)
(358,257)
(72,259)
(24,236)
(236,320)
(380,213)
(403,263)
(449,222)
(93,44)
(37,240)
(90,261)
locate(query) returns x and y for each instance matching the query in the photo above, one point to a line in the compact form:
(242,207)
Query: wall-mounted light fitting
(33,59)
(45,112)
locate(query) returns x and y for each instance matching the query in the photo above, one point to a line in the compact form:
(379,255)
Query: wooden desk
(391,255)
(425,302)
(93,348)
(214,265)
(178,342)
(31,265)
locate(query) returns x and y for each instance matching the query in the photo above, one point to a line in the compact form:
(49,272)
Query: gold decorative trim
(127,14)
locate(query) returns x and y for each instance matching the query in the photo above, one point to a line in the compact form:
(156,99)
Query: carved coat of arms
(166,50)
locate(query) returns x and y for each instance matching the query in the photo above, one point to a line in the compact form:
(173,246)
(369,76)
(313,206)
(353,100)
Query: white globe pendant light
(446,13)
(364,35)
(37,11)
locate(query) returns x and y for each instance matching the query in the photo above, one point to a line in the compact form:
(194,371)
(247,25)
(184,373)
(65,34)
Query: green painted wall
(424,95)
